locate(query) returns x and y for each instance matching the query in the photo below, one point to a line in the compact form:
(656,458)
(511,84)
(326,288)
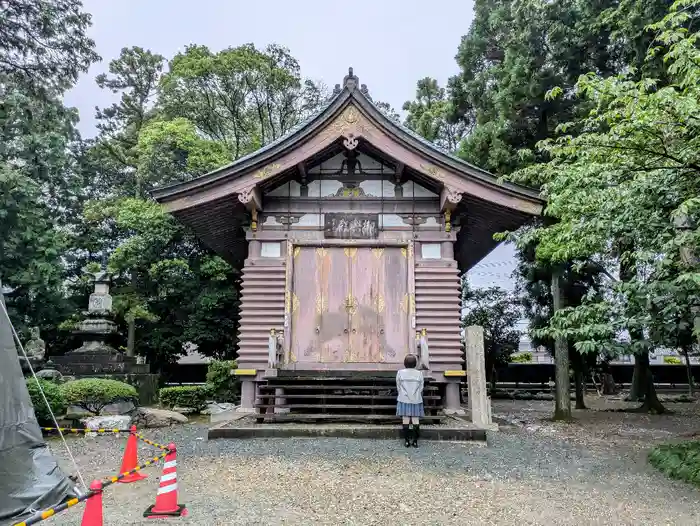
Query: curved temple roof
(487,205)
(350,113)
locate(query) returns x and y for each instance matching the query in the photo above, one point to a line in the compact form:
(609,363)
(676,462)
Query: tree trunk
(579,366)
(562,393)
(689,371)
(651,402)
(580,383)
(131,337)
(637,388)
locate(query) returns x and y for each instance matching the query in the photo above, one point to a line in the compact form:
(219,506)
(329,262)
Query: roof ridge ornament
(351,81)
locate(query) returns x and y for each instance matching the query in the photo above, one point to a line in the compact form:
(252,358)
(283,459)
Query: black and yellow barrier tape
(150,442)
(41,516)
(78,430)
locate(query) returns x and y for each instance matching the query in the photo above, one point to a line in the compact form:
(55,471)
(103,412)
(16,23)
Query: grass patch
(678,461)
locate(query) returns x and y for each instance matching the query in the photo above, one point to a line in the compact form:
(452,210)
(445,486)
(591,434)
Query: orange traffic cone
(166,499)
(92,516)
(131,460)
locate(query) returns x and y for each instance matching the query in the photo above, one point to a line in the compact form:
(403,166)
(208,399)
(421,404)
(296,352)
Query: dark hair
(410,361)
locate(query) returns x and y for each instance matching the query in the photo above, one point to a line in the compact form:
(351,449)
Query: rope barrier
(41,516)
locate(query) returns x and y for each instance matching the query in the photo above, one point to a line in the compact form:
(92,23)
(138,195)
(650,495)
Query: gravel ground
(529,474)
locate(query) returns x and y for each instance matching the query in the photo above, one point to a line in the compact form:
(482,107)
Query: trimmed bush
(53,395)
(93,394)
(523,357)
(190,396)
(678,461)
(223,387)
(673,360)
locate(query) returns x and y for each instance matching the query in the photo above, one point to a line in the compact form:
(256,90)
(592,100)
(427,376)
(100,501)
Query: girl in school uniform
(409,402)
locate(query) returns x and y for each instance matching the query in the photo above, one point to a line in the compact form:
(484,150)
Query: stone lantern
(97,327)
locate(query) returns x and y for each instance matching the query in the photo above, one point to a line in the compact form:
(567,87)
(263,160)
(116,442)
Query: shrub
(673,360)
(93,394)
(223,386)
(678,461)
(190,396)
(54,396)
(523,357)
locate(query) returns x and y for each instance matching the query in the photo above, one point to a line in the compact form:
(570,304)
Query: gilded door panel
(365,300)
(394,318)
(332,281)
(302,304)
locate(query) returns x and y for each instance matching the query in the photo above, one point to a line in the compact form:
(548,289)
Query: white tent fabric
(30,479)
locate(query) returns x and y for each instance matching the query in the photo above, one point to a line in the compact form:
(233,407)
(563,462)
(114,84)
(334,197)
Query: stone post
(247,396)
(452,405)
(479,402)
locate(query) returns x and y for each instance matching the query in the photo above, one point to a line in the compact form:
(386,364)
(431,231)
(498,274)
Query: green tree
(241,97)
(498,312)
(44,42)
(433,116)
(43,48)
(615,190)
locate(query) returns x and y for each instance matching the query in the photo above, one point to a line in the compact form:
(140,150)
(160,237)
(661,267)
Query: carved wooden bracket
(449,198)
(250,197)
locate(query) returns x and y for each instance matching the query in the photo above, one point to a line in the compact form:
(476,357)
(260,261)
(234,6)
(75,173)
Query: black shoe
(405,433)
(416,434)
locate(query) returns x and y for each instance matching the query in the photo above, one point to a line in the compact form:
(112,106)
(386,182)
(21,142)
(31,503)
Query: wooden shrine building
(351,232)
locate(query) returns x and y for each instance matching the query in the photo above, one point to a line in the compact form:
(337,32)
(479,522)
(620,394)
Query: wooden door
(365,301)
(349,305)
(332,326)
(394,324)
(306,280)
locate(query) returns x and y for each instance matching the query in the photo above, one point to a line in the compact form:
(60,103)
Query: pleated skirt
(404,409)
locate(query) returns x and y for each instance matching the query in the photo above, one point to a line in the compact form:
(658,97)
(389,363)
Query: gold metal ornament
(350,252)
(266,172)
(350,304)
(408,303)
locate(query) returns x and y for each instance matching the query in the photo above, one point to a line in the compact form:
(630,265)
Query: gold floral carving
(350,252)
(321,252)
(378,252)
(432,171)
(295,303)
(408,303)
(349,124)
(404,252)
(296,251)
(351,192)
(266,172)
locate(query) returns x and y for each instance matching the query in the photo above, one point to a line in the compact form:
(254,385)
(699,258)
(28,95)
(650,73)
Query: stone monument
(35,349)
(96,357)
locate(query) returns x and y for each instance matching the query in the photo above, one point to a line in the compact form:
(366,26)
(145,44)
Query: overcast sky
(389,43)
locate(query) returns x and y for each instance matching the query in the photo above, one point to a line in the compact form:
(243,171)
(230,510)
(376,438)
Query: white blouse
(409,384)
